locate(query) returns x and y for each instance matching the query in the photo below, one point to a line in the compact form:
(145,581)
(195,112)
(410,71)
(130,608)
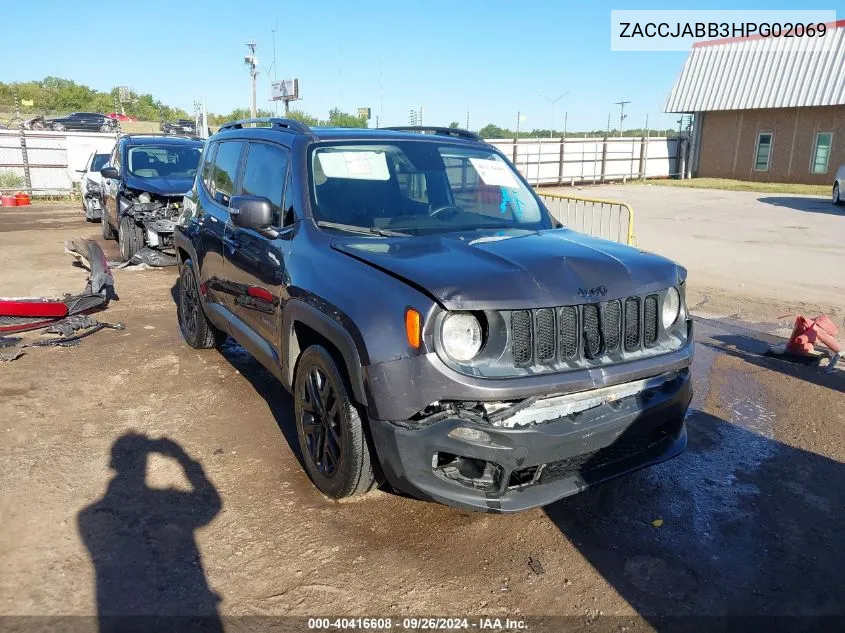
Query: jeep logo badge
(592,292)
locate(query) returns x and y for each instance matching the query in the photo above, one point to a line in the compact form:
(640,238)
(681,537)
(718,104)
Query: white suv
(92,202)
(838,186)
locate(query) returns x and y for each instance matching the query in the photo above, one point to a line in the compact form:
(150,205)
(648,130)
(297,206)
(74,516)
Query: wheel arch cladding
(304,326)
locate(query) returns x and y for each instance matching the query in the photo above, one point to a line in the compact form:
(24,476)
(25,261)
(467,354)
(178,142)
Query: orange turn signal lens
(413,327)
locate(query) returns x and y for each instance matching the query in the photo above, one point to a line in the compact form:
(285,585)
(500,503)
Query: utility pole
(622,116)
(467,127)
(553,103)
(251,62)
(276,103)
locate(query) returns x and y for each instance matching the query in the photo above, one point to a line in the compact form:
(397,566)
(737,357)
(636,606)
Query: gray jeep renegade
(438,329)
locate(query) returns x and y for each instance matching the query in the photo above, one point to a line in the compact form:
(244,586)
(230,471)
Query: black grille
(545,328)
(611,314)
(632,323)
(568,328)
(603,332)
(592,339)
(650,320)
(521,332)
(621,449)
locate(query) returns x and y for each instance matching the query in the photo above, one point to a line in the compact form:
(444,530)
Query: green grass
(741,185)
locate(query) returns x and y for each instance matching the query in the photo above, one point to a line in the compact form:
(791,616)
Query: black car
(182,127)
(142,190)
(436,326)
(82,121)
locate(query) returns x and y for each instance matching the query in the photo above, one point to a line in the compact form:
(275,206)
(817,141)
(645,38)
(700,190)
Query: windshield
(420,187)
(172,161)
(99,161)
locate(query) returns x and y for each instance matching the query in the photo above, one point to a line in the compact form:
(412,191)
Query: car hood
(160,185)
(515,269)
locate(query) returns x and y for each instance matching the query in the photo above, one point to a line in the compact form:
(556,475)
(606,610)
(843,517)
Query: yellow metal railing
(608,219)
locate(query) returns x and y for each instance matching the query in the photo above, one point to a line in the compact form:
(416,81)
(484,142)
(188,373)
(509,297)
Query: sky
(491,59)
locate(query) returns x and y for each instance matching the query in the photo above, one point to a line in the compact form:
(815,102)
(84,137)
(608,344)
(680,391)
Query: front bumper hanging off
(511,469)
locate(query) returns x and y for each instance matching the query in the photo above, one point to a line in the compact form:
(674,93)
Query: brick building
(764,109)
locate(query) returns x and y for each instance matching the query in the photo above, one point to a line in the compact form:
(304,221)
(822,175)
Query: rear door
(218,185)
(256,263)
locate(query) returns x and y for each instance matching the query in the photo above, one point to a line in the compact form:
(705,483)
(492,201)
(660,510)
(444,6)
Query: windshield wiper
(366,230)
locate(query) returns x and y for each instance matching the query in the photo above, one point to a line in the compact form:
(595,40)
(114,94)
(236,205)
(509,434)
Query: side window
(265,175)
(763,154)
(208,165)
(225,171)
(288,212)
(821,153)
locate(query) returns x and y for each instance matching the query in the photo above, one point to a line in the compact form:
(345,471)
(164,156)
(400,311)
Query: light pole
(553,103)
(251,62)
(622,115)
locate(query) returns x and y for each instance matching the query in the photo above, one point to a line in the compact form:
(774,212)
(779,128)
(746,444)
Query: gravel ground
(222,519)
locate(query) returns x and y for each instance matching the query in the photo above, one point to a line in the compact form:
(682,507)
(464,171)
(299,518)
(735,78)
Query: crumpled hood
(516,269)
(160,185)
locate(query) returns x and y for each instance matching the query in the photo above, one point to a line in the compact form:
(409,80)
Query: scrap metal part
(21,315)
(150,257)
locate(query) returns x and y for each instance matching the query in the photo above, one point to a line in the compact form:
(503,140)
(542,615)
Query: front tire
(331,433)
(837,194)
(196,329)
(130,236)
(58,127)
(89,210)
(105,227)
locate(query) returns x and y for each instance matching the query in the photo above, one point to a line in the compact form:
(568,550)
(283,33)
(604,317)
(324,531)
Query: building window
(821,153)
(764,151)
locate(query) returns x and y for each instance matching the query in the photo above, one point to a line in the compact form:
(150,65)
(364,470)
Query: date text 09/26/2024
(416,624)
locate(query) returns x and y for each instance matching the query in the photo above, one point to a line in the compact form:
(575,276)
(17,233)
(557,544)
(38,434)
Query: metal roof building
(766,108)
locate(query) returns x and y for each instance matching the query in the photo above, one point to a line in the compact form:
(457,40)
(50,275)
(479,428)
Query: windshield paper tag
(357,165)
(494,172)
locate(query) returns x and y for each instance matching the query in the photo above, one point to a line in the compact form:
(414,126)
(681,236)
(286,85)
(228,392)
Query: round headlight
(92,186)
(671,308)
(461,336)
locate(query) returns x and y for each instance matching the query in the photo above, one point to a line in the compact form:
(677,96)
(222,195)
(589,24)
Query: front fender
(354,353)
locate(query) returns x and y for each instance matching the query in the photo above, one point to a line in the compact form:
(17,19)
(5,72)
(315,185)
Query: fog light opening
(474,473)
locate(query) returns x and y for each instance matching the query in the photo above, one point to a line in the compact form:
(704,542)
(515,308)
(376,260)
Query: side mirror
(251,212)
(109,172)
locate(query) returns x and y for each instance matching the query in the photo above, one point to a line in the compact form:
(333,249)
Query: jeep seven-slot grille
(547,336)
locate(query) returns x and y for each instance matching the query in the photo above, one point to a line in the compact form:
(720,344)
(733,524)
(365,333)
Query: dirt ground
(222,519)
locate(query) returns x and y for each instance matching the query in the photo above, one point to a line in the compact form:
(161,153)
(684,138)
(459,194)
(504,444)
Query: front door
(219,176)
(256,263)
(109,187)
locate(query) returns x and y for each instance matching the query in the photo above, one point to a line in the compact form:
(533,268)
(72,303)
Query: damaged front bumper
(553,448)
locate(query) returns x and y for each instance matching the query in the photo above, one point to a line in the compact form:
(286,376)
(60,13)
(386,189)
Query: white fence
(557,161)
(47,161)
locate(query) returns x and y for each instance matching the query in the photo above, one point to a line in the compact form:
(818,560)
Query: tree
(303,117)
(494,131)
(454,124)
(338,118)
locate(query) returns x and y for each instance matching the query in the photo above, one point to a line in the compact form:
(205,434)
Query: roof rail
(290,125)
(443,131)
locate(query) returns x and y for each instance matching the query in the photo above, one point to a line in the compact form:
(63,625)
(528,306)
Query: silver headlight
(92,186)
(461,336)
(671,308)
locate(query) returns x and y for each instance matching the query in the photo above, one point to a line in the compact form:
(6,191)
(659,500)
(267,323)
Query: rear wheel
(329,426)
(837,194)
(105,226)
(130,236)
(197,330)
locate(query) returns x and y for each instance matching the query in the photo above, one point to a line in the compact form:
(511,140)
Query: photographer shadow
(149,571)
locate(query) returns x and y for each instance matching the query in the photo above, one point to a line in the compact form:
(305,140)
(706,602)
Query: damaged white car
(143,186)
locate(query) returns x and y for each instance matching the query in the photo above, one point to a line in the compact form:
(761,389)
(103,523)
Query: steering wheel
(444,209)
